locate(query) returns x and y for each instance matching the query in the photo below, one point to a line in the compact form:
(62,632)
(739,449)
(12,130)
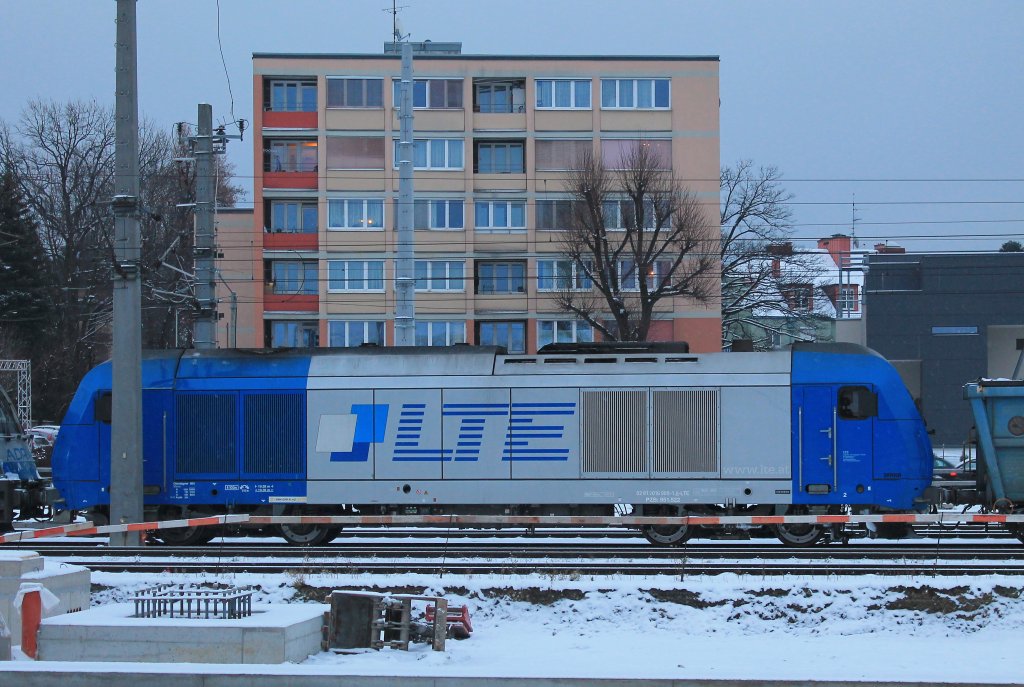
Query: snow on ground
(925,628)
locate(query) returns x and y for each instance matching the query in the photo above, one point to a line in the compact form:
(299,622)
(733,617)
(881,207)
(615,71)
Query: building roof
(545,58)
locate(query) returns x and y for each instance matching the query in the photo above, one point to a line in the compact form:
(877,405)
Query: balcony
(289,103)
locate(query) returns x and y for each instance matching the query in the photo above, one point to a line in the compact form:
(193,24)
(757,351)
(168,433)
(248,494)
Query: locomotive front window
(857,403)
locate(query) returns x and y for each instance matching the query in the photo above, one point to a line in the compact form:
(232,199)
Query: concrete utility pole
(206,194)
(405,278)
(126,427)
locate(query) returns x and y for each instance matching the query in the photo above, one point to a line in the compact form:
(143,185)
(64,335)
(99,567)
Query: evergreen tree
(25,301)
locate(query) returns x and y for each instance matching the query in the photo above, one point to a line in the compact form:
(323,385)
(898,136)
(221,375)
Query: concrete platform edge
(194,675)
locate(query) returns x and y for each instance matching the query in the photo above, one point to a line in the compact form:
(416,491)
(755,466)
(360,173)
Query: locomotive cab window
(102,408)
(857,403)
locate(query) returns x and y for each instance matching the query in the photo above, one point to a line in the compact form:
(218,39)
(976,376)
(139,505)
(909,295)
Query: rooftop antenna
(853,222)
(396,24)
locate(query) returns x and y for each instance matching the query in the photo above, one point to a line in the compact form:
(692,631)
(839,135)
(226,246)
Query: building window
(355,152)
(563,94)
(554,214)
(847,301)
(509,335)
(629,275)
(294,276)
(290,156)
(562,155)
(798,296)
(563,331)
(970,330)
(561,275)
(355,213)
(619,215)
(345,92)
(500,277)
(351,333)
(440,214)
(499,96)
(290,95)
(355,275)
(435,153)
(439,275)
(446,333)
(616,153)
(432,94)
(293,216)
(498,157)
(635,94)
(500,215)
(293,334)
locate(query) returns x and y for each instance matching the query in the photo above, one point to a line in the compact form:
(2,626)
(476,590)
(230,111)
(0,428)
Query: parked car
(43,438)
(943,468)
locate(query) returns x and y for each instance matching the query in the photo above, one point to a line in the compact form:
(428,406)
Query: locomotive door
(815,440)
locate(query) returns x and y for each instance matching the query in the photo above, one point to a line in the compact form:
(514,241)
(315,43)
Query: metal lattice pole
(23,368)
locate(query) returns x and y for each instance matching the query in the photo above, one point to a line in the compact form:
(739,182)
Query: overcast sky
(915,108)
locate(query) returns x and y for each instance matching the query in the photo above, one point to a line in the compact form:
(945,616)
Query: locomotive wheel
(799,535)
(666,535)
(307,535)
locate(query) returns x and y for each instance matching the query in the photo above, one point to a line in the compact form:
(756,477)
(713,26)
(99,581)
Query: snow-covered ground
(930,629)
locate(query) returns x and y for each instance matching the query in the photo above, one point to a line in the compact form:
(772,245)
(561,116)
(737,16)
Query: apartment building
(494,138)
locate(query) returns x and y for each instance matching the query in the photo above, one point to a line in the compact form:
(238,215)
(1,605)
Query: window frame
(480,324)
(555,204)
(490,227)
(302,86)
(575,338)
(449,325)
(589,145)
(511,278)
(577,277)
(365,91)
(365,280)
(302,206)
(428,154)
(304,286)
(572,94)
(331,202)
(300,145)
(493,144)
(450,283)
(302,327)
(346,325)
(635,92)
(396,95)
(431,205)
(653,280)
(619,203)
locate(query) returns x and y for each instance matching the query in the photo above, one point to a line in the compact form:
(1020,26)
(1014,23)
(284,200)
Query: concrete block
(69,583)
(274,633)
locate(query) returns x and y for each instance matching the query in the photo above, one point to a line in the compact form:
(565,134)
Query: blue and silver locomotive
(816,429)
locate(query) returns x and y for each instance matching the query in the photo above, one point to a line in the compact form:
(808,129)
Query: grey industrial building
(945,320)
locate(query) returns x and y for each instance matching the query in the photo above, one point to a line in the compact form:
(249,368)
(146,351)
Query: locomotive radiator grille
(614,431)
(686,431)
(205,433)
(273,431)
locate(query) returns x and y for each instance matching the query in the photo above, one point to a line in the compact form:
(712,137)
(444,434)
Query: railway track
(595,558)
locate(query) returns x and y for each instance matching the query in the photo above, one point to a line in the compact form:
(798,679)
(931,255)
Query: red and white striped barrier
(87,528)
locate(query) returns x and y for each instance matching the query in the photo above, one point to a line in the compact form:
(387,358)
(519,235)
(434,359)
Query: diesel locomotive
(816,429)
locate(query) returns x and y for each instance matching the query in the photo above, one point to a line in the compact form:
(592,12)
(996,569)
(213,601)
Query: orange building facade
(493,139)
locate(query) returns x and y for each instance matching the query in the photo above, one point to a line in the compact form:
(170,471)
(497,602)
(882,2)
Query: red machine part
(459,624)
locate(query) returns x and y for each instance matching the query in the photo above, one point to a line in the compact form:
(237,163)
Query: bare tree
(639,238)
(763,279)
(63,156)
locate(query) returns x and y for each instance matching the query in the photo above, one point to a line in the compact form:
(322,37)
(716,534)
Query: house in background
(945,320)
(495,137)
(810,295)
